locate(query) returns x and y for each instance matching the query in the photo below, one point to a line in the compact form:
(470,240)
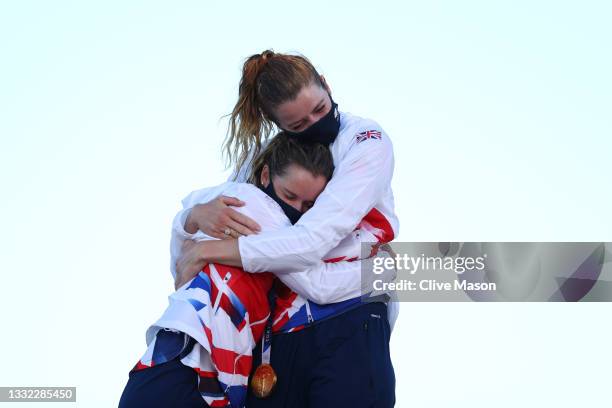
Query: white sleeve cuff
(179,224)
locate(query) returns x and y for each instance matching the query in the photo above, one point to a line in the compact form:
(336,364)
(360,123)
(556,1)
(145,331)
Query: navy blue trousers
(168,384)
(343,361)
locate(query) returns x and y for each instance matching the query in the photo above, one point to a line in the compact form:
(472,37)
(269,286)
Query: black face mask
(323,131)
(291,213)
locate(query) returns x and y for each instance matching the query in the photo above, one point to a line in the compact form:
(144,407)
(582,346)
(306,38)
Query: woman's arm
(335,282)
(215,216)
(191,258)
(360,181)
(323,283)
(209,204)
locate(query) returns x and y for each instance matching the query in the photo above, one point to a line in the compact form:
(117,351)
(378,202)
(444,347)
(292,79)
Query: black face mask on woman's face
(291,213)
(324,131)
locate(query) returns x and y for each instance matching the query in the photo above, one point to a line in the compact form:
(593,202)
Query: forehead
(299,108)
(301,182)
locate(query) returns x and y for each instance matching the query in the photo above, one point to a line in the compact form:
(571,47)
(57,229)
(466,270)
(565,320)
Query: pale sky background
(111,112)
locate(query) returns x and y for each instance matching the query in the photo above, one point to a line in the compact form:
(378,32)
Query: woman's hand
(195,255)
(217,219)
(190,263)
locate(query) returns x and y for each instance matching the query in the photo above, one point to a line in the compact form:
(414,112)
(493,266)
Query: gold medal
(263,381)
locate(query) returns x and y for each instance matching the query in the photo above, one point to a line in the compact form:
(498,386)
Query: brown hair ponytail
(268,79)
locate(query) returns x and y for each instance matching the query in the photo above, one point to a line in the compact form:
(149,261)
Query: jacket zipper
(310,318)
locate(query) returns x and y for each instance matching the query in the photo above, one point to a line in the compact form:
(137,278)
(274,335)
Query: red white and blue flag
(368,134)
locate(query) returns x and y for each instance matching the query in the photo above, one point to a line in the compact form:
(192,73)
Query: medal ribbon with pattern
(264,378)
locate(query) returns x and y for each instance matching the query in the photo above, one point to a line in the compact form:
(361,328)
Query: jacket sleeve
(359,182)
(326,282)
(178,234)
(335,282)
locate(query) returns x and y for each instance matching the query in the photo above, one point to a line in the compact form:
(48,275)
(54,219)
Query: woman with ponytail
(333,354)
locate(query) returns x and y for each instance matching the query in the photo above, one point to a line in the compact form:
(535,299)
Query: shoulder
(359,131)
(350,122)
(238,187)
(202,195)
(229,188)
(258,205)
(247,192)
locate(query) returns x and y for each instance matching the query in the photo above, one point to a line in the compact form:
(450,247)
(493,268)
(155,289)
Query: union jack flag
(369,134)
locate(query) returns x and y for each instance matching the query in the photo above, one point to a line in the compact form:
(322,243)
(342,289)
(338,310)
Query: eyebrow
(322,101)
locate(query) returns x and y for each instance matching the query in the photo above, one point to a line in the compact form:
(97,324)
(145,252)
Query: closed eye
(320,107)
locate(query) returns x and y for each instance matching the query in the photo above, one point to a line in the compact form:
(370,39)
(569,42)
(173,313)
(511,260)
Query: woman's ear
(325,85)
(264,179)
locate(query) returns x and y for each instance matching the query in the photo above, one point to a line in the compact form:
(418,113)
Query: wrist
(202,252)
(191,224)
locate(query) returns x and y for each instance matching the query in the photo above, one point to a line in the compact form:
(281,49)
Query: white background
(111,113)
